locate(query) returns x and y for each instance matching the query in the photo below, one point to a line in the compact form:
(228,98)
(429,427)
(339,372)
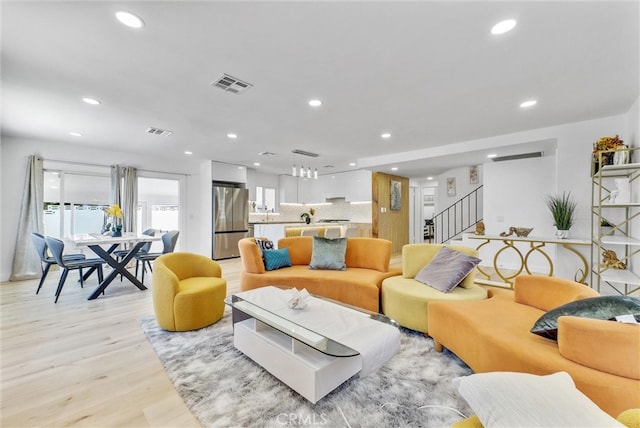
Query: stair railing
(459,217)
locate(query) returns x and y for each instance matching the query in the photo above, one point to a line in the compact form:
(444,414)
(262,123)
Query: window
(74,202)
(265,199)
(158,206)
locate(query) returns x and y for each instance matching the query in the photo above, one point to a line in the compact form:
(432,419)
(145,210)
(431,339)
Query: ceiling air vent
(303,153)
(231,84)
(158,131)
(520,156)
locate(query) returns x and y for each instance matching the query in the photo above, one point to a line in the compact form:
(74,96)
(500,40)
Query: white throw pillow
(506,399)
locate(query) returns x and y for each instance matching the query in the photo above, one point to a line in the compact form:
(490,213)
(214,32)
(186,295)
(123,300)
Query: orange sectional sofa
(367,261)
(602,357)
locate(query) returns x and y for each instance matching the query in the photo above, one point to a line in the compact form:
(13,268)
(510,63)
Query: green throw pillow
(601,308)
(328,254)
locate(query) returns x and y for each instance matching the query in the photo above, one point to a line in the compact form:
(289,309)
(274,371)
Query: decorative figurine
(520,232)
(610,259)
(480,228)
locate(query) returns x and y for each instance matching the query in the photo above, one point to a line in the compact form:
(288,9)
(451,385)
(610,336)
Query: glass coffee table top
(286,325)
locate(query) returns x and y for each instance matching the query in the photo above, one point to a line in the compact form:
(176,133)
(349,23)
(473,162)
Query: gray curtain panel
(26,261)
(129,198)
(115,186)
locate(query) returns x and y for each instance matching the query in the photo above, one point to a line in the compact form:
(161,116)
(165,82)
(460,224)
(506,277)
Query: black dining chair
(46,259)
(57,248)
(169,240)
(120,254)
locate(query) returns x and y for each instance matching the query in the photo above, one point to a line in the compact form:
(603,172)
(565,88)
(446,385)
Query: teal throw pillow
(328,254)
(601,308)
(276,259)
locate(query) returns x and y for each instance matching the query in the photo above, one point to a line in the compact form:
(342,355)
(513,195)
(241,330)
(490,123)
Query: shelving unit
(623,239)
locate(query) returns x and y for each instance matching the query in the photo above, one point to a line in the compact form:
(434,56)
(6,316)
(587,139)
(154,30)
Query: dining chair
(169,240)
(309,232)
(332,233)
(57,248)
(120,254)
(46,259)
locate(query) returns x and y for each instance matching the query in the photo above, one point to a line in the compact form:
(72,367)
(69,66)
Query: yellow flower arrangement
(114,211)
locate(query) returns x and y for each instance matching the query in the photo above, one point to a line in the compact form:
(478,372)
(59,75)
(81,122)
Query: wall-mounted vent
(231,84)
(158,131)
(520,156)
(267,154)
(303,153)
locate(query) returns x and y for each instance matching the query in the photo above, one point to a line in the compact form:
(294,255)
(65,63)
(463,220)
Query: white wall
(14,154)
(571,172)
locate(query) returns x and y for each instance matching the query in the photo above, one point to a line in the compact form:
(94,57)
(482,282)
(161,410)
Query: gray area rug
(223,388)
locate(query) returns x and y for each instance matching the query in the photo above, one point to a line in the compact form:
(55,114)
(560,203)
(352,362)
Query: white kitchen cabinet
(358,186)
(288,189)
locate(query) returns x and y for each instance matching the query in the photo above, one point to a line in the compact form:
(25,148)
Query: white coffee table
(315,349)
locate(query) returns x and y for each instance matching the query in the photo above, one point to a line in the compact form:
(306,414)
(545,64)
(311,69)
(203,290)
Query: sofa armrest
(547,292)
(251,256)
(608,346)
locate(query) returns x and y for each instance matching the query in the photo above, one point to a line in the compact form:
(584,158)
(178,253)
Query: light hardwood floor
(86,363)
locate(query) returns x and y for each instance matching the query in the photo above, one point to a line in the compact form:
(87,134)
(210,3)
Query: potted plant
(606,228)
(307,216)
(562,209)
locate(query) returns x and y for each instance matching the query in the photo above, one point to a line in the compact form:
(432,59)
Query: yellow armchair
(188,291)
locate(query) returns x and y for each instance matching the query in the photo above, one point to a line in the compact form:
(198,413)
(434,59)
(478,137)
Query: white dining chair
(309,232)
(332,233)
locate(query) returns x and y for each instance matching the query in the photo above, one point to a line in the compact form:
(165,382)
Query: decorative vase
(307,220)
(562,234)
(621,156)
(606,231)
(116,231)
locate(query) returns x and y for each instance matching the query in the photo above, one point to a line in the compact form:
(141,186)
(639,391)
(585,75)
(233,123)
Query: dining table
(97,243)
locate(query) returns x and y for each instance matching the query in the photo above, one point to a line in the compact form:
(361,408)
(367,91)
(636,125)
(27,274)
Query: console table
(536,244)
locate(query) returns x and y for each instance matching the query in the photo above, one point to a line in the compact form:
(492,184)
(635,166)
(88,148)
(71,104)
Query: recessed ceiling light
(91,101)
(232,135)
(75,134)
(492,155)
(256,163)
(503,26)
(187,152)
(129,19)
(528,103)
(395,168)
(385,135)
(315,103)
(352,164)
(429,178)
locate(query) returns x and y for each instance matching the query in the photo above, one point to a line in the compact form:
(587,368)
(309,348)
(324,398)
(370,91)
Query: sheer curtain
(115,185)
(129,198)
(26,261)
(124,192)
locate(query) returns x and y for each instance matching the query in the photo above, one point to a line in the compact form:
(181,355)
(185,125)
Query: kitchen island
(274,231)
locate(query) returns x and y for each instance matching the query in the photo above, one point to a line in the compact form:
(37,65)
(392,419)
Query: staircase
(458,218)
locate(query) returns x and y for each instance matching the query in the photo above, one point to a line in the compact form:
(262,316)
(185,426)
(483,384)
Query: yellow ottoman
(188,291)
(405,300)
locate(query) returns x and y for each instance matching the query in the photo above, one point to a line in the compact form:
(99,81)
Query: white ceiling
(430,73)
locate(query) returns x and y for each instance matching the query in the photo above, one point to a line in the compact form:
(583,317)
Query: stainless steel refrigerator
(230,220)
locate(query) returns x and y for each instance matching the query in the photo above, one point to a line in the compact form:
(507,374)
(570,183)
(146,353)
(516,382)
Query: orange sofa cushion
(493,335)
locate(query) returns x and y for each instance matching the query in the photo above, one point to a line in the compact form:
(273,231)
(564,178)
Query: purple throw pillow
(447,269)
